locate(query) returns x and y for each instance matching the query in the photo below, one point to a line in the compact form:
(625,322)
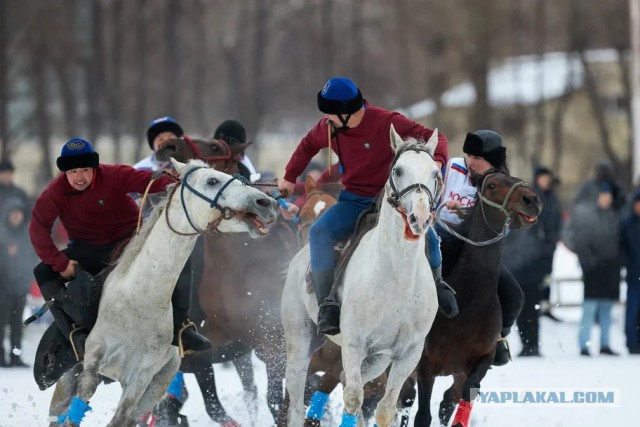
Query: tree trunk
(94,70)
(115,82)
(68,96)
(43,126)
(4,92)
(141,70)
(173,60)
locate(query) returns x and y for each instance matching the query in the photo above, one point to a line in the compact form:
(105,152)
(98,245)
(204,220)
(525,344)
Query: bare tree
(140,111)
(4,92)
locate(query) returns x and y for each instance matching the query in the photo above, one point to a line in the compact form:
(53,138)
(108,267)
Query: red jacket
(365,151)
(102,214)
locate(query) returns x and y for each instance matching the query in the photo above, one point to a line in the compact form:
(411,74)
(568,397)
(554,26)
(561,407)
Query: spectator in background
(7,187)
(590,189)
(16,261)
(592,232)
(630,242)
(530,259)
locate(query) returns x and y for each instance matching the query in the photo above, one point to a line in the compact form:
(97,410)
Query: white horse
(131,340)
(388,293)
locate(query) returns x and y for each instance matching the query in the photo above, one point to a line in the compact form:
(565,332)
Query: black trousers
(11,309)
(511,297)
(94,259)
(529,321)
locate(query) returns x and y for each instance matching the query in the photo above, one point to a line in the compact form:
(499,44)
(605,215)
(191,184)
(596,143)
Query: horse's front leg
(425,391)
(158,385)
(400,370)
(132,391)
(87,383)
(470,388)
(298,337)
(66,388)
(352,356)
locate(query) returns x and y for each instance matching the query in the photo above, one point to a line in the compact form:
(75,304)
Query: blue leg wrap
(175,388)
(61,418)
(349,420)
(77,410)
(316,408)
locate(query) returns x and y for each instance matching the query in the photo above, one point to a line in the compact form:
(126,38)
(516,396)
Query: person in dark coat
(630,242)
(590,189)
(592,232)
(528,254)
(16,260)
(8,189)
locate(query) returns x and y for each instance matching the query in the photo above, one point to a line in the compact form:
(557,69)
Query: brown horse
(239,291)
(465,345)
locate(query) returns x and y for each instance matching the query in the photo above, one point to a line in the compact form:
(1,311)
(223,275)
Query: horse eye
(491,186)
(212,181)
(214,148)
(397,172)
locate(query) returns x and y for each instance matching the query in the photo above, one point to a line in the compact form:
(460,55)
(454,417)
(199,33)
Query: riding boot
(447,303)
(503,352)
(74,334)
(328,309)
(184,331)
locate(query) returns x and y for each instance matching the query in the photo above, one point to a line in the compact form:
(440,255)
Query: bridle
(212,227)
(484,201)
(395,195)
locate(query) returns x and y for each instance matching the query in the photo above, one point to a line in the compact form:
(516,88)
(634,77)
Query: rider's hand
(285,187)
(453,205)
(70,272)
(291,211)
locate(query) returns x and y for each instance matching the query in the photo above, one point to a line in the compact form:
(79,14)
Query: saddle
(344,250)
(55,355)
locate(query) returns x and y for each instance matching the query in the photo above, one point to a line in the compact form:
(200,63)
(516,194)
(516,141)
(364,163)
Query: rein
(483,200)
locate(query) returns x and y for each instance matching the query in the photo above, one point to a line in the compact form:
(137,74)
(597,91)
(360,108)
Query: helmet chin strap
(344,121)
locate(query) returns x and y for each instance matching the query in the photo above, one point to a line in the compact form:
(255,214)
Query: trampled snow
(22,404)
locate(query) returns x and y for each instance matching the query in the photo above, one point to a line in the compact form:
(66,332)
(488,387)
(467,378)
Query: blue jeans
(339,222)
(590,307)
(632,316)
(336,224)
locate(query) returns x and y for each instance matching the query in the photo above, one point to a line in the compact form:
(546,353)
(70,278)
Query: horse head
(235,207)
(317,203)
(216,152)
(415,182)
(509,200)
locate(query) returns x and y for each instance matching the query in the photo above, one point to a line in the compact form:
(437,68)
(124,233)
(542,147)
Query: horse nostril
(412,219)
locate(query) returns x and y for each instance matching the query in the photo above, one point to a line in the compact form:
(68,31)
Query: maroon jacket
(365,151)
(102,214)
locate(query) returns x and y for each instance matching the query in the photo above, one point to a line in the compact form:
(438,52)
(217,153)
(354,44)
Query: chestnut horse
(465,345)
(239,291)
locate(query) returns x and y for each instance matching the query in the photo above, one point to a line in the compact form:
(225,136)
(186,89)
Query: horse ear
(433,141)
(179,166)
(396,139)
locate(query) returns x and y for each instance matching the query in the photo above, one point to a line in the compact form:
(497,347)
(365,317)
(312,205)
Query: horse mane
(129,253)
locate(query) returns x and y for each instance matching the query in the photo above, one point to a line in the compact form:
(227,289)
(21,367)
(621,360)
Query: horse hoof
(311,422)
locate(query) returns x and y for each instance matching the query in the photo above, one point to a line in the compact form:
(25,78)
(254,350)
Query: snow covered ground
(22,404)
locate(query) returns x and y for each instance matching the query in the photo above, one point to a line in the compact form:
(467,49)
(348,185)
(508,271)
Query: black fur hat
(486,144)
(163,124)
(77,153)
(231,131)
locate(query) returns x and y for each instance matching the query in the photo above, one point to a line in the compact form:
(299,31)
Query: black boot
(76,335)
(185,333)
(447,303)
(503,353)
(328,309)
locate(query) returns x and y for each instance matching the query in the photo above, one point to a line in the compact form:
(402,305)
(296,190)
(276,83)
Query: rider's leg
(181,301)
(511,301)
(338,223)
(446,295)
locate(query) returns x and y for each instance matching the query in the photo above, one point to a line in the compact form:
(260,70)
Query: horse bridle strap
(395,196)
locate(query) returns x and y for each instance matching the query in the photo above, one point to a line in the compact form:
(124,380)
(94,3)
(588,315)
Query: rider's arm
(136,181)
(309,146)
(45,212)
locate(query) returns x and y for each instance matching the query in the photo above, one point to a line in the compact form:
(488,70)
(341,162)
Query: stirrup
(507,348)
(443,284)
(329,302)
(76,328)
(185,326)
